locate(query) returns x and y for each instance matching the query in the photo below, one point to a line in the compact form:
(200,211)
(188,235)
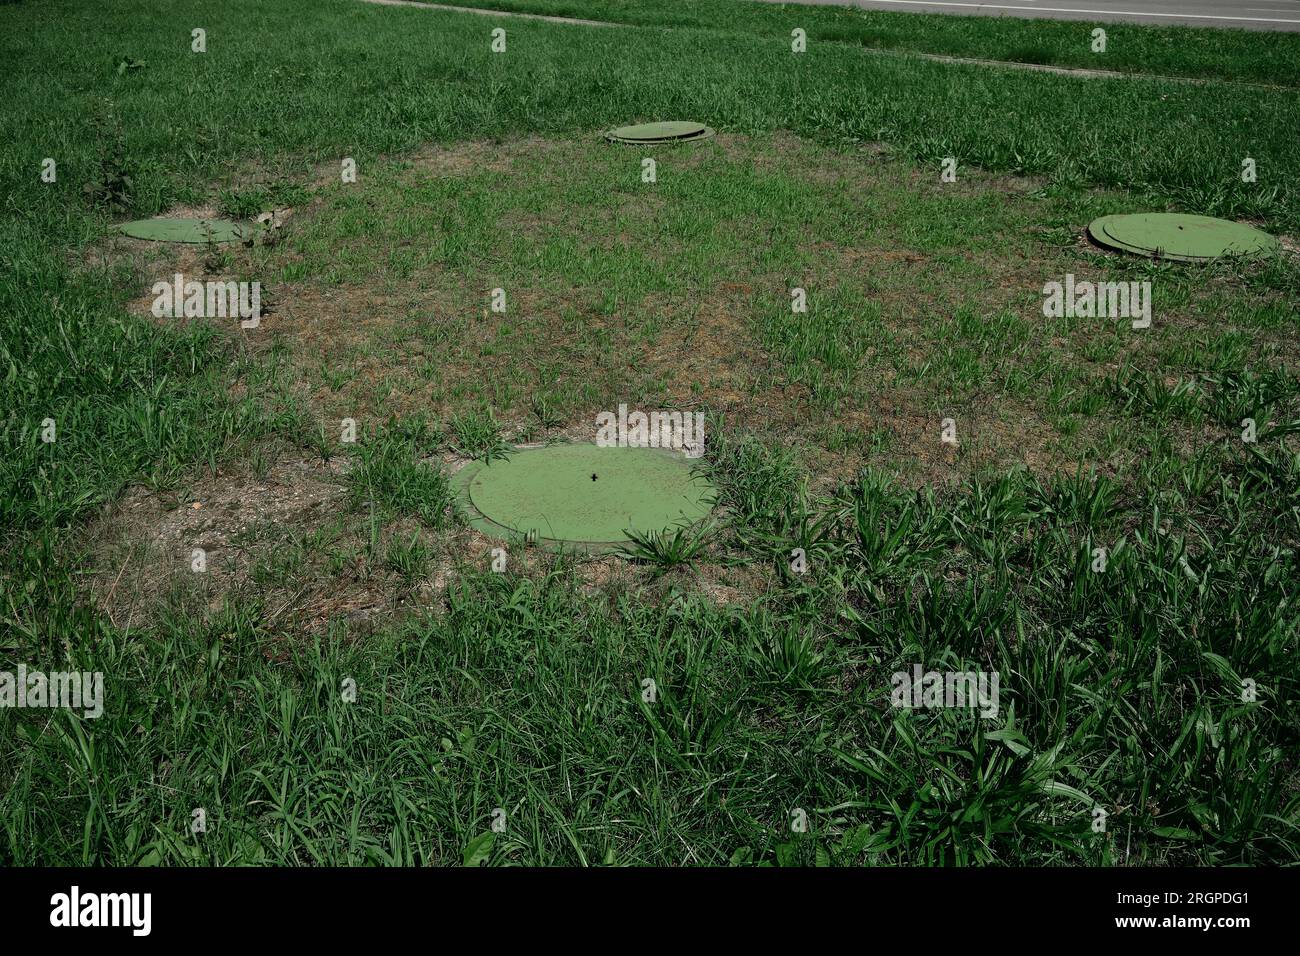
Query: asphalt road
(1239,14)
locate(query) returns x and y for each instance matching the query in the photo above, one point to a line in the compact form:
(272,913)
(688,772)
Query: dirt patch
(278,540)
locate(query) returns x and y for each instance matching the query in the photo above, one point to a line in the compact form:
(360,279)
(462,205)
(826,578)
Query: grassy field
(521,692)
(1224,54)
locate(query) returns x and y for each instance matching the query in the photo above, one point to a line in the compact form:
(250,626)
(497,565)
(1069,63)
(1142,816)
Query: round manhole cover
(585,495)
(1181,237)
(670,132)
(183,230)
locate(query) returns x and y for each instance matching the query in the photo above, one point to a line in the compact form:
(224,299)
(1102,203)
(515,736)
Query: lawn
(503,717)
(1234,55)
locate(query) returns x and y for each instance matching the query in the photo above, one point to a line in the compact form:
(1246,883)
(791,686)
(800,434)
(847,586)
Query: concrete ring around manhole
(653,134)
(581,496)
(1180,237)
(184,230)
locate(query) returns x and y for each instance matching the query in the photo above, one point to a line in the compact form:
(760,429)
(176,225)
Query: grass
(1270,58)
(919,293)
(688,708)
(670,548)
(1136,696)
(386,472)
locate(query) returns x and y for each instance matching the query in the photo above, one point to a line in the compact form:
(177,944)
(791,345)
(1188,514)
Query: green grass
(385,472)
(680,711)
(1122,686)
(1270,58)
(670,548)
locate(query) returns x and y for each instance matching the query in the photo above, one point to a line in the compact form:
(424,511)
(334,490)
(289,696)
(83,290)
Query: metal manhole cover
(669,132)
(1180,237)
(583,494)
(183,230)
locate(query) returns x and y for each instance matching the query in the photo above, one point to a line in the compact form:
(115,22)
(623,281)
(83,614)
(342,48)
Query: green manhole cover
(584,495)
(1180,237)
(673,132)
(183,230)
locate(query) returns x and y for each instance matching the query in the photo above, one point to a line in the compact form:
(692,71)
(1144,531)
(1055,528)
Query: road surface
(1241,14)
